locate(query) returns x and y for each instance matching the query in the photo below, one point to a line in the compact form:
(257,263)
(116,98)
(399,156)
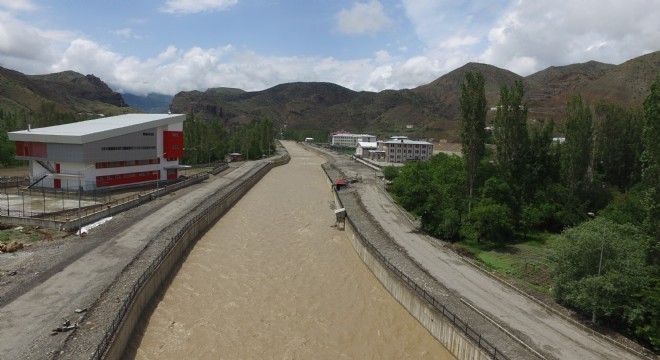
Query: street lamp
(158,173)
(600,261)
(209,155)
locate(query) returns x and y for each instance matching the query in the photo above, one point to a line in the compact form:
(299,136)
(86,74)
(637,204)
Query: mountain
(151,103)
(428,111)
(66,91)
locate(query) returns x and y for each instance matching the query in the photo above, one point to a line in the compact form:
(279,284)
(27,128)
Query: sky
(167,46)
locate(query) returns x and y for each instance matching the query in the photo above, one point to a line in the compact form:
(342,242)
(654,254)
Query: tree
(589,285)
(618,144)
(577,149)
(651,159)
(512,142)
(473,123)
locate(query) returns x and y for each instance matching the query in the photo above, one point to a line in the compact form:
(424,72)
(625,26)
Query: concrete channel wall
(437,324)
(152,282)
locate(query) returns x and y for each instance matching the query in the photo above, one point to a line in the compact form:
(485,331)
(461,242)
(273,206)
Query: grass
(26,235)
(525,261)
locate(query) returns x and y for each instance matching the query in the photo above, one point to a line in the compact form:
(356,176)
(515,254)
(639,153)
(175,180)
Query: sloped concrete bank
(407,293)
(112,322)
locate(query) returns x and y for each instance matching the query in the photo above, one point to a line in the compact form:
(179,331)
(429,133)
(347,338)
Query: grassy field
(527,262)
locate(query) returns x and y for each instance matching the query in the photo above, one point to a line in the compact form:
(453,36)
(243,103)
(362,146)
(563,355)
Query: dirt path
(544,331)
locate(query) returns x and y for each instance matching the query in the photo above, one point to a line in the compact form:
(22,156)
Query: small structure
(309,140)
(340,184)
(233,157)
(364,148)
(340,217)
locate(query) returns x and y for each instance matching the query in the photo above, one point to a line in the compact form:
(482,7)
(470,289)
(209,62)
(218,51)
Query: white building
(364,148)
(108,152)
(400,149)
(350,140)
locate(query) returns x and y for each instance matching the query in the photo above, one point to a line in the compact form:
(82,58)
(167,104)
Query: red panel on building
(57,183)
(34,149)
(173,144)
(124,179)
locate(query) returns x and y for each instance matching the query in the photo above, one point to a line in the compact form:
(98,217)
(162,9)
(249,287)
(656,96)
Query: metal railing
(458,323)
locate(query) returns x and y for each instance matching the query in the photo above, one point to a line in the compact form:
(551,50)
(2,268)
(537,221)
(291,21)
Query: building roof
(406,141)
(94,130)
(367,145)
(352,135)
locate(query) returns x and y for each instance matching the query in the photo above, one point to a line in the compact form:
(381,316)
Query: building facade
(350,140)
(109,152)
(364,148)
(400,149)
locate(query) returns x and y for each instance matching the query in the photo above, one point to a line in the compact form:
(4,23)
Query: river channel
(274,279)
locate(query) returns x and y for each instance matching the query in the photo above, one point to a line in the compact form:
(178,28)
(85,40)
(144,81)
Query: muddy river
(274,279)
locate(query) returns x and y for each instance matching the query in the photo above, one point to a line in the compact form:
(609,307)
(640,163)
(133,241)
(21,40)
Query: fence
(459,324)
(190,230)
(75,217)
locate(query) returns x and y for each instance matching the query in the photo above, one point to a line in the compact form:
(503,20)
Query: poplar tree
(473,123)
(651,158)
(512,141)
(577,150)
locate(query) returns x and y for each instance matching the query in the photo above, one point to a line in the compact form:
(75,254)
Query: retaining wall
(436,323)
(152,281)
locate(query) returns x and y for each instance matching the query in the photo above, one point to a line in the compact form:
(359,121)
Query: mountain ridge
(427,111)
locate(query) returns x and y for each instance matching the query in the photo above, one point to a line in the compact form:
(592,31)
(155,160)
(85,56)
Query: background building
(364,148)
(400,149)
(108,152)
(350,140)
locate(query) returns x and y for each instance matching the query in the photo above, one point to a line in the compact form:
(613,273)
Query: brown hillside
(68,91)
(428,111)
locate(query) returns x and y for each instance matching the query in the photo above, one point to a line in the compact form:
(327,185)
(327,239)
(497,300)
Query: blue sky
(167,46)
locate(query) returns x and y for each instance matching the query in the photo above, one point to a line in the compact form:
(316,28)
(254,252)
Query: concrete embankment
(451,332)
(143,280)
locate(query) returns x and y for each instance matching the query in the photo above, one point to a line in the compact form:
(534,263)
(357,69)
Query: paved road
(34,314)
(545,332)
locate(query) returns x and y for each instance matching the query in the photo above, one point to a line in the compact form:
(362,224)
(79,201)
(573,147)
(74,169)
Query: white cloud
(23,46)
(363,18)
(533,35)
(127,33)
(523,37)
(18,4)
(196,6)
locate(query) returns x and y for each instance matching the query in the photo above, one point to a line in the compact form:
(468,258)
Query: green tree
(390,172)
(651,159)
(576,151)
(618,144)
(512,142)
(603,288)
(473,123)
(445,207)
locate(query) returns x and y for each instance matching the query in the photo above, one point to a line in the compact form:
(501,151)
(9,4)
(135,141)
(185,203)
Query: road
(546,332)
(32,315)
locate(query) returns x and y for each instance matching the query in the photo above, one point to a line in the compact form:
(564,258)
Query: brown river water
(274,279)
